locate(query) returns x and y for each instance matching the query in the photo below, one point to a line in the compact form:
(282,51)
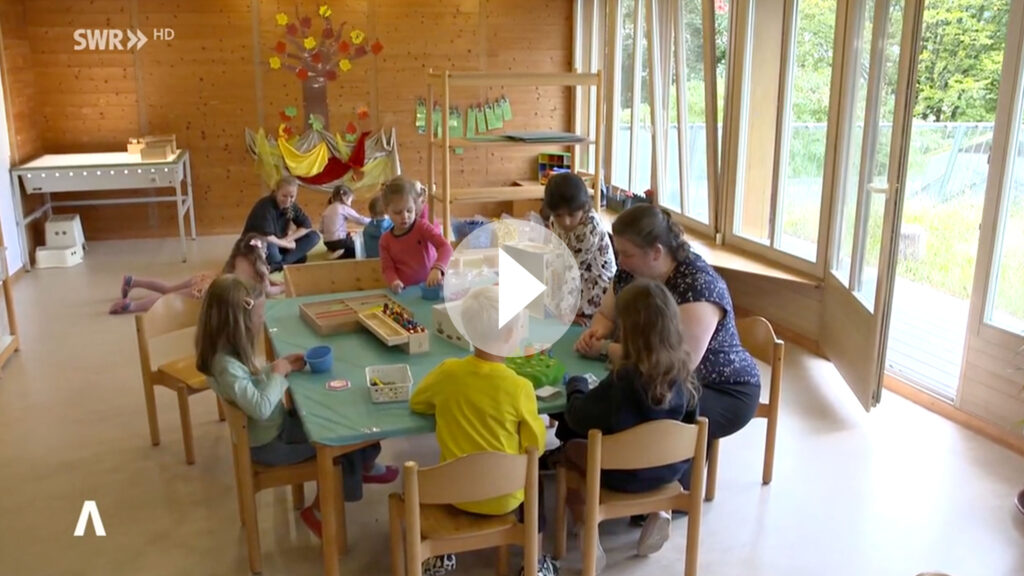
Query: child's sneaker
(381,475)
(438,565)
(601,559)
(657,530)
(546,566)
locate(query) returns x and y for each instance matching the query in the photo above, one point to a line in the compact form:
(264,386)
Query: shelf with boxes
(441,150)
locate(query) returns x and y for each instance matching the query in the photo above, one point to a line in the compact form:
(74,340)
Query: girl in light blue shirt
(226,353)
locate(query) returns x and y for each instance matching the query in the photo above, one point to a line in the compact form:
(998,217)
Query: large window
(802,163)
(631,146)
(1006,305)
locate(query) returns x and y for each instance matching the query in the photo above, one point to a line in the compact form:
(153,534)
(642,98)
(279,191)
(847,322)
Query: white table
(53,173)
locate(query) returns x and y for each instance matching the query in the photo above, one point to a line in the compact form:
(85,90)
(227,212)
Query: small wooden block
(418,343)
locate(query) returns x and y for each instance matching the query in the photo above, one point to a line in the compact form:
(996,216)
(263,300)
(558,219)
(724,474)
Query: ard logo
(90,512)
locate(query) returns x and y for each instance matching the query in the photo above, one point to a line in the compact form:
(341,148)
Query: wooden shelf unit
(441,189)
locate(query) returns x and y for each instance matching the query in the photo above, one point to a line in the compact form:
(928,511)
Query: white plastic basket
(399,374)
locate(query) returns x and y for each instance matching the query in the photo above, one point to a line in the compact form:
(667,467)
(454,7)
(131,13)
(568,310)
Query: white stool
(64,231)
(58,256)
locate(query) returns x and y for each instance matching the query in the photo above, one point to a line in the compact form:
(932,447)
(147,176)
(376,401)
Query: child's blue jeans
(291,446)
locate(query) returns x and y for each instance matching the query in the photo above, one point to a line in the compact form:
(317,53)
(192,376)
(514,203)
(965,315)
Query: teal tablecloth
(339,418)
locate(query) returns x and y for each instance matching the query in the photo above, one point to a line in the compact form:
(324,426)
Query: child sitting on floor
(413,251)
(378,225)
(334,223)
(247,259)
(481,405)
(652,381)
(575,223)
(226,353)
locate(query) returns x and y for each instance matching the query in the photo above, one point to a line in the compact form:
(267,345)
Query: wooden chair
(434,527)
(758,337)
(171,315)
(655,443)
(252,478)
(333,276)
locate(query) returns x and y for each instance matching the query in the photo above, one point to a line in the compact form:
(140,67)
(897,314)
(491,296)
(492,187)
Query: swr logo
(113,38)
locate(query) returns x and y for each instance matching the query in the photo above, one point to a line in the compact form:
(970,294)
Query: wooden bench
(333,276)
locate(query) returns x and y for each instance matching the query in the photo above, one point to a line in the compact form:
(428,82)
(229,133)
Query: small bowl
(320,359)
(430,292)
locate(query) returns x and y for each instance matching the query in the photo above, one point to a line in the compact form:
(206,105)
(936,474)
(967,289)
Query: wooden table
(339,422)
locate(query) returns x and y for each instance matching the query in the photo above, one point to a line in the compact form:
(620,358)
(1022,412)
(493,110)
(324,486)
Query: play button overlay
(517,288)
(512,289)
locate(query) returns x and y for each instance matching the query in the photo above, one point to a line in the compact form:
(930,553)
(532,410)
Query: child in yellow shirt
(481,405)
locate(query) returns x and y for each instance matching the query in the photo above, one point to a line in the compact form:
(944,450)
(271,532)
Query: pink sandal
(126,286)
(123,306)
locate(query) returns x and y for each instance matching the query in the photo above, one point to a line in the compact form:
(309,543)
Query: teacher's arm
(600,327)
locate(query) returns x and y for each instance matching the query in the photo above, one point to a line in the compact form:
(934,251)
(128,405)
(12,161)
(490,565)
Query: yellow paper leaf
(281,133)
(325,11)
(282,19)
(309,42)
(275,62)
(358,36)
(345,65)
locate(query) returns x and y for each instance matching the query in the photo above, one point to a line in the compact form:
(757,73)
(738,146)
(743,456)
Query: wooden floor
(894,492)
(926,338)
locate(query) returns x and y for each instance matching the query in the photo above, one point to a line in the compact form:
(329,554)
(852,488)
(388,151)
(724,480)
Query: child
(481,405)
(247,259)
(652,381)
(226,353)
(333,223)
(413,251)
(575,223)
(379,224)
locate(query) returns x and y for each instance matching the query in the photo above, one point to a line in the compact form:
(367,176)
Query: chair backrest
(333,276)
(654,443)
(171,313)
(758,337)
(470,478)
(238,423)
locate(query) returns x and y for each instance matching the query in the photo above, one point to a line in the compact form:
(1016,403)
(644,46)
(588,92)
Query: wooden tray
(329,317)
(389,333)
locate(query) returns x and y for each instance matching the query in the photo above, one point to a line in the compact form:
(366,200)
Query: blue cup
(320,359)
(430,292)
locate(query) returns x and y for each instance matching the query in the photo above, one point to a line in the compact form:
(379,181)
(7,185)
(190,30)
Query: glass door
(867,171)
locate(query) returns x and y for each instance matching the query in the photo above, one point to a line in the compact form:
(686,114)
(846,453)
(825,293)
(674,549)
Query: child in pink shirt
(413,251)
(334,223)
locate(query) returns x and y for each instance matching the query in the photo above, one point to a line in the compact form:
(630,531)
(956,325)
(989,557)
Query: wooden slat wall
(23,126)
(795,307)
(993,379)
(211,82)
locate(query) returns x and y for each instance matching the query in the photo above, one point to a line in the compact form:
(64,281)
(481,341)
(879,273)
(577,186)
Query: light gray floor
(896,492)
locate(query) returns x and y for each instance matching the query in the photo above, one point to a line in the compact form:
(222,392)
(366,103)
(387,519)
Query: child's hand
(581,321)
(297,361)
(281,366)
(434,278)
(594,349)
(397,286)
(587,340)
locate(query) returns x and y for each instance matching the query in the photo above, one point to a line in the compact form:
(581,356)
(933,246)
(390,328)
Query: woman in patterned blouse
(576,224)
(651,245)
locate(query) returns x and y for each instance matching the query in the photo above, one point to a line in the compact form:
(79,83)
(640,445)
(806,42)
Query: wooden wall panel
(24,130)
(993,379)
(793,306)
(212,81)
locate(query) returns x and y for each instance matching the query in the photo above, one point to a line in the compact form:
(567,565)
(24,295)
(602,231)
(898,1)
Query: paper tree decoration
(316,61)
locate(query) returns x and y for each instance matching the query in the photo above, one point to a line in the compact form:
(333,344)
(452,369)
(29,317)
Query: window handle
(882,189)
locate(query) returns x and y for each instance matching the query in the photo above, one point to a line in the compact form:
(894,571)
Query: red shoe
(389,475)
(312,521)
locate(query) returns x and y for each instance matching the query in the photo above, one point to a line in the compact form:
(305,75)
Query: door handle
(882,189)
